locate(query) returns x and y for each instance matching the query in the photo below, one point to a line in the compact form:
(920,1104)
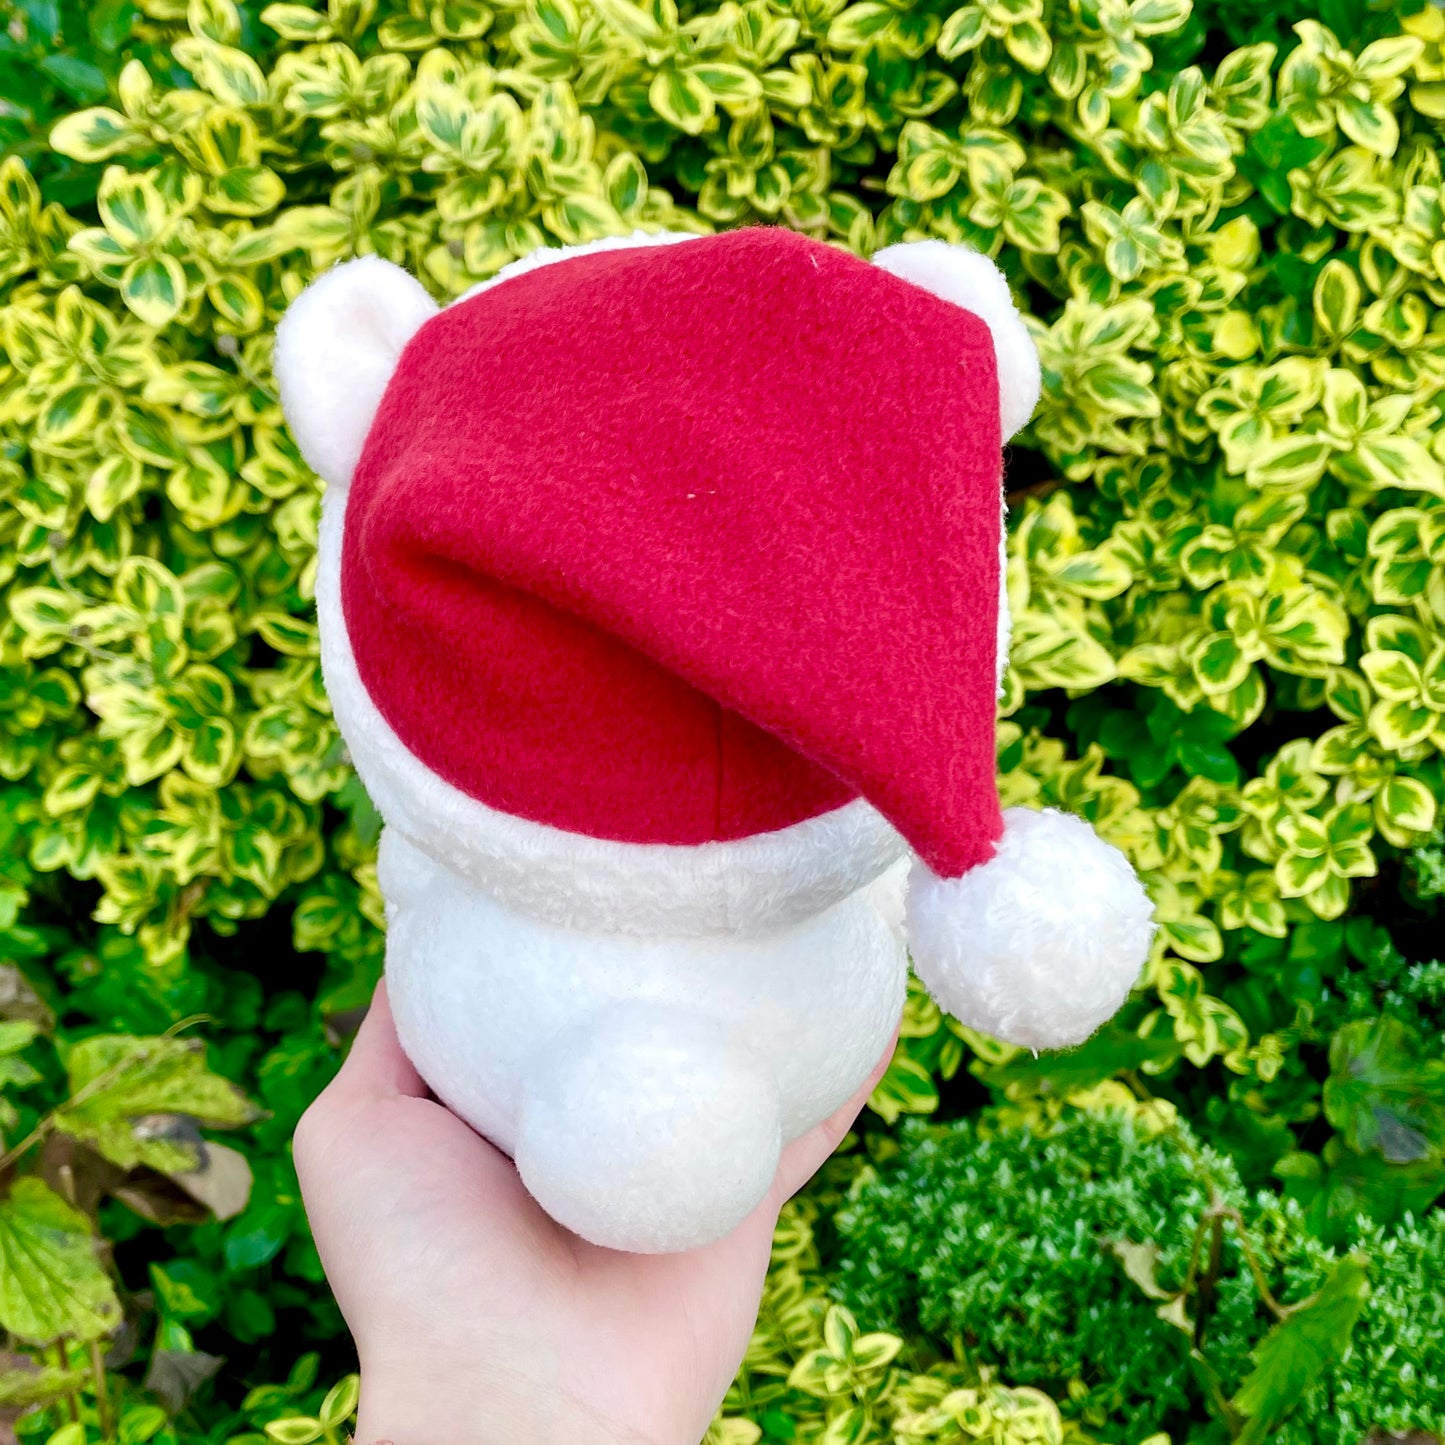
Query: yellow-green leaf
(154,287)
(51,1282)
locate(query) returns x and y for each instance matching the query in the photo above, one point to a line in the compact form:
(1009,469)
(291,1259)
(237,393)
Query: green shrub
(1016,1244)
(1083,1261)
(1226,562)
(1393,1379)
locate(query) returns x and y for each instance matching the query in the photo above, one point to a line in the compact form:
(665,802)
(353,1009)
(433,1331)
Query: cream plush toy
(661,609)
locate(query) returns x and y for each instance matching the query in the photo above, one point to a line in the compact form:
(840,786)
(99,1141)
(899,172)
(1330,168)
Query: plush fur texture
(1041,944)
(643,1012)
(643,1084)
(591,884)
(687,1148)
(336,349)
(656,589)
(970,280)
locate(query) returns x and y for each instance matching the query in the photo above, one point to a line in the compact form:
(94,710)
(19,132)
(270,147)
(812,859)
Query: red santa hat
(661,591)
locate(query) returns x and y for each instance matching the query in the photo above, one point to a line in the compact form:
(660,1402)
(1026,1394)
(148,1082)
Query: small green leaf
(238,302)
(340,1402)
(1292,461)
(1299,874)
(70,789)
(732,86)
(131,208)
(1368,123)
(1337,298)
(295,1430)
(1028,42)
(1047,654)
(78,78)
(962,31)
(297,22)
(247,191)
(1408,804)
(1393,674)
(860,25)
(94,135)
(155,289)
(1401,461)
(628,19)
(681,99)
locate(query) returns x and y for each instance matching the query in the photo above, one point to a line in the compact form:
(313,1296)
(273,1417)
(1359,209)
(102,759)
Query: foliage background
(1227,568)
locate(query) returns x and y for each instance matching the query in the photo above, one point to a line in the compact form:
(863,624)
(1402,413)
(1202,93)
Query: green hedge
(1226,565)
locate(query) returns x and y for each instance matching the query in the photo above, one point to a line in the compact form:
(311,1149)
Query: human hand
(478,1320)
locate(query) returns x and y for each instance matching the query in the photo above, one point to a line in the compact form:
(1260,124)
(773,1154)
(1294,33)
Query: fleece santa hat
(667,598)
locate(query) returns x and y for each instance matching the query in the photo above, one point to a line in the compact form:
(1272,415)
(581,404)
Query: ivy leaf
(51,1282)
(1300,1348)
(1335,1187)
(1385,1092)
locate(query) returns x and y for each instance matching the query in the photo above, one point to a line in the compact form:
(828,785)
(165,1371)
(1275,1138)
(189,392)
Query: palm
(455,1282)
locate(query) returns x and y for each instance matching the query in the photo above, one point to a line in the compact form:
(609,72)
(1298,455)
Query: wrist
(472,1405)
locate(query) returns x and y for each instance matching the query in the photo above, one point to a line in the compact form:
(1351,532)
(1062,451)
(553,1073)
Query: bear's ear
(336,349)
(970,280)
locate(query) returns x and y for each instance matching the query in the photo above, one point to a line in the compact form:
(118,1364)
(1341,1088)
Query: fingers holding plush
(374,1070)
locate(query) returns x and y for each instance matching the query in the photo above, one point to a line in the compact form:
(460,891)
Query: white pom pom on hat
(1039,945)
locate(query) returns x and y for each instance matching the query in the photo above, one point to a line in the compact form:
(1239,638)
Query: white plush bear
(740,496)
